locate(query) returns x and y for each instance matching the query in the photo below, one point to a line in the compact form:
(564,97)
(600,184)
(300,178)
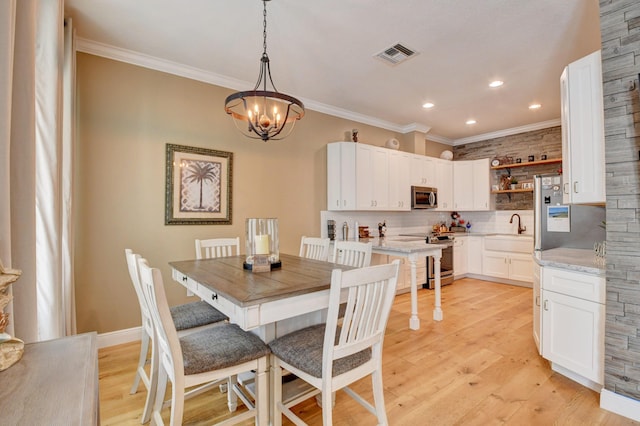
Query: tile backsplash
(422,221)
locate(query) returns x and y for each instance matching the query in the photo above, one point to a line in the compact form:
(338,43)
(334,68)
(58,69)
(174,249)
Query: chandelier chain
(264,27)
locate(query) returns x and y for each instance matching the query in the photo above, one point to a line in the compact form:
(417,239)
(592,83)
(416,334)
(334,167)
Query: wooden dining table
(268,303)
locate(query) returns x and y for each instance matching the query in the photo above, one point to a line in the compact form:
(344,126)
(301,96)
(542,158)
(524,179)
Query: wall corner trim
(620,404)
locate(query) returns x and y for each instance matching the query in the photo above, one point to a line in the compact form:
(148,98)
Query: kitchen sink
(510,243)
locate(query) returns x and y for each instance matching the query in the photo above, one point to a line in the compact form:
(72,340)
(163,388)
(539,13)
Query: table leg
(437,310)
(414,321)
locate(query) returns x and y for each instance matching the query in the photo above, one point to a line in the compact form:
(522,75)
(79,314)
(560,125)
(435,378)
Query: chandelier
(261,113)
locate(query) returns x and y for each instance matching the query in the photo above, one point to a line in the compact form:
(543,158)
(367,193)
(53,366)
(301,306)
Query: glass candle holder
(262,243)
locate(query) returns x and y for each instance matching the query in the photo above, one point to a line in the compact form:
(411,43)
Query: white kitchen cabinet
(508,257)
(372,177)
(512,266)
(481,184)
(463,185)
(460,256)
(399,181)
(471,185)
(341,176)
(474,254)
(573,316)
(423,171)
(582,111)
(444,183)
(537,306)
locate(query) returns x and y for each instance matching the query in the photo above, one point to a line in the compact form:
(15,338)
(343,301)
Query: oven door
(446,268)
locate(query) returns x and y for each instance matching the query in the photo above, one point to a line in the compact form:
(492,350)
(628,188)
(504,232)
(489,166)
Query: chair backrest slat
(352,253)
(217,247)
(370,294)
(134,274)
(314,248)
(169,349)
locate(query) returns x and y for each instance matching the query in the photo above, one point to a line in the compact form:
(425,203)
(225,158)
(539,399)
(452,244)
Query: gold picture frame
(198,187)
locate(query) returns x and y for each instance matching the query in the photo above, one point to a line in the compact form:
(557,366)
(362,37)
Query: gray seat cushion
(219,347)
(303,349)
(195,314)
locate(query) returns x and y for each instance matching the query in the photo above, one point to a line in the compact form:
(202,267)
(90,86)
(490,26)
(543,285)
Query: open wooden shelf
(528,163)
(511,191)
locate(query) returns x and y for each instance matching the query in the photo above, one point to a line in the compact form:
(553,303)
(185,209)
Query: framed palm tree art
(199,186)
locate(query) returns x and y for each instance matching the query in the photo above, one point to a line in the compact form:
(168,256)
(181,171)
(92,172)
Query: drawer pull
(545,307)
(214,296)
(184,278)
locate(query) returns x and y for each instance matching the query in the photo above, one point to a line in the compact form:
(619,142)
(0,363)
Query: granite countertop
(401,244)
(579,260)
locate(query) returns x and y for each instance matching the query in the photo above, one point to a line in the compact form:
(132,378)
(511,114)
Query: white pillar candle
(262,244)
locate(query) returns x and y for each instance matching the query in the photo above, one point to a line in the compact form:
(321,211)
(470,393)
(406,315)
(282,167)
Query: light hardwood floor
(479,366)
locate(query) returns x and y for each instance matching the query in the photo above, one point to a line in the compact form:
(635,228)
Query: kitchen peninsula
(414,249)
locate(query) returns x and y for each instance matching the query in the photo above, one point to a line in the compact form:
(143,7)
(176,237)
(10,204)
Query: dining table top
(228,278)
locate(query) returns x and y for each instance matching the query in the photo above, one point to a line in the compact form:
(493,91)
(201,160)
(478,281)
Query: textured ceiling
(324,53)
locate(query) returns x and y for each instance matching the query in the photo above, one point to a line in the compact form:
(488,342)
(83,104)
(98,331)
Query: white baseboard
(620,404)
(119,337)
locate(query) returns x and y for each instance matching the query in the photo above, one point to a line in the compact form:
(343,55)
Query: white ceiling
(323,52)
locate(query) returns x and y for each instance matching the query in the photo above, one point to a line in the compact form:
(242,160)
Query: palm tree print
(201,172)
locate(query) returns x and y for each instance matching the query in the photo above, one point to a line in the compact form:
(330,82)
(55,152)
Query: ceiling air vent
(396,54)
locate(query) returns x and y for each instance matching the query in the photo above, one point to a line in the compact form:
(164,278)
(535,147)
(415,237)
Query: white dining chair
(217,247)
(329,356)
(314,248)
(208,355)
(352,253)
(187,318)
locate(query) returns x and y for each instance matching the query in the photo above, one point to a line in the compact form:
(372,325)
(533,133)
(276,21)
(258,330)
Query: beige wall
(434,149)
(126,116)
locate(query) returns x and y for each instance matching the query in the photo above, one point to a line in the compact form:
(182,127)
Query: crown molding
(508,132)
(175,68)
(170,67)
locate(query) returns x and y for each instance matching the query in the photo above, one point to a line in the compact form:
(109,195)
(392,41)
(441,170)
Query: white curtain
(37,76)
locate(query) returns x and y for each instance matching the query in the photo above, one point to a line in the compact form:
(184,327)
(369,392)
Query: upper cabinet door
(341,176)
(372,178)
(399,181)
(583,131)
(423,171)
(444,183)
(463,185)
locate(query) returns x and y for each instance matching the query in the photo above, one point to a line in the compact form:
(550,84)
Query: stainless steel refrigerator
(563,225)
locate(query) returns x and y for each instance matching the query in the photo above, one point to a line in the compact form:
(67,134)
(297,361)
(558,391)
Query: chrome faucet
(521,229)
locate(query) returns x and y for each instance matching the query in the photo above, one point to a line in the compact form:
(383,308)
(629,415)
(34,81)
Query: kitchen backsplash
(420,221)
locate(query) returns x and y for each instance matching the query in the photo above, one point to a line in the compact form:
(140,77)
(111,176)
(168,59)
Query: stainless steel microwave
(423,197)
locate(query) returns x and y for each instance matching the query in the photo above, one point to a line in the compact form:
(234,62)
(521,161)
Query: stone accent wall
(620,30)
(536,143)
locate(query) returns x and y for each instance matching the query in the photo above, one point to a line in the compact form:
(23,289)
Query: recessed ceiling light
(496,83)
(472,121)
(427,105)
(535,106)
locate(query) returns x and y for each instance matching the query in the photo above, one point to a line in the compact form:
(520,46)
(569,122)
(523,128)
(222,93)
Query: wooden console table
(54,383)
